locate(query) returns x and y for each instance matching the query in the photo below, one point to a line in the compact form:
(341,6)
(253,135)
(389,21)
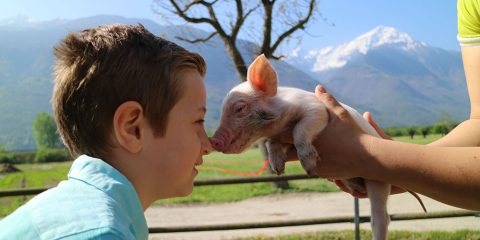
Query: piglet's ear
(262,76)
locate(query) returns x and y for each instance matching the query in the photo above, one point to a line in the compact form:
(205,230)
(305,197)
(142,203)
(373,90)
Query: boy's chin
(185,191)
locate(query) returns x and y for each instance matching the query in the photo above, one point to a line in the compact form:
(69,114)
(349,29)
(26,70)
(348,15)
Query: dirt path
(295,206)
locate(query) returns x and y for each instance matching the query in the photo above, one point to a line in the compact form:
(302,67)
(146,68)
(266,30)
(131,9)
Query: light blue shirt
(96,202)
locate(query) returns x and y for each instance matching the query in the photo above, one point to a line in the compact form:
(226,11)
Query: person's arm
(468,132)
(447,174)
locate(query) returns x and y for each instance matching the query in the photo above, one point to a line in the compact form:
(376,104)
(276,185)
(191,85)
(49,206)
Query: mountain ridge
(383,79)
(421,82)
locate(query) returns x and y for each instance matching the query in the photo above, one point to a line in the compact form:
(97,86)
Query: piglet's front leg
(276,155)
(303,134)
(308,156)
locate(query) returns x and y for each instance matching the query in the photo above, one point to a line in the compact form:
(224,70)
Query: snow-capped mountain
(335,57)
(401,80)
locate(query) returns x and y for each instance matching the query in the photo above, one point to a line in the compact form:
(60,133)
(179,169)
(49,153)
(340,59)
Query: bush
(15,157)
(394,132)
(425,130)
(412,131)
(7,158)
(440,129)
(24,157)
(52,155)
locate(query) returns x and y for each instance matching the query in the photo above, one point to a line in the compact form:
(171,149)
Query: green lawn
(32,176)
(392,235)
(49,174)
(418,139)
(249,161)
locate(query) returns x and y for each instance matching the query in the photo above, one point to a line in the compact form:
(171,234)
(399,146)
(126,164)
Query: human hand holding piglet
(341,152)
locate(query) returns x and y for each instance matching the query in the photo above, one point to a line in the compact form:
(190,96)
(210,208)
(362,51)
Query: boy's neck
(127,167)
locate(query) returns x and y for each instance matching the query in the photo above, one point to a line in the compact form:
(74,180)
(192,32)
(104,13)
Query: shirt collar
(106,178)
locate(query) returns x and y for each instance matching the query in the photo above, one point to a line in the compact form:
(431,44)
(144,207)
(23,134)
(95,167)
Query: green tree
(394,132)
(45,132)
(425,130)
(440,128)
(5,157)
(448,121)
(411,131)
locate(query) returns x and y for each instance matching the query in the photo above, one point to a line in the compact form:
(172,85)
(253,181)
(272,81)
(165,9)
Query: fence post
(22,186)
(357,218)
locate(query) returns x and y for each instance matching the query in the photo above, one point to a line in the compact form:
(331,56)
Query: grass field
(48,175)
(392,235)
(249,161)
(418,139)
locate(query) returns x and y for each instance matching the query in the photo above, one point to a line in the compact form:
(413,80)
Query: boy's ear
(128,123)
(262,76)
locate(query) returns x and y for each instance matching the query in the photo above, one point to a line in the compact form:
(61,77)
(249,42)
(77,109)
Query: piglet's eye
(239,109)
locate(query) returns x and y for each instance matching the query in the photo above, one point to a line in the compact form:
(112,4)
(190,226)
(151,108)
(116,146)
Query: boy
(130,105)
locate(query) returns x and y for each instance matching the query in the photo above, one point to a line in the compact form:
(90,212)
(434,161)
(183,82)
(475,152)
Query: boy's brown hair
(96,70)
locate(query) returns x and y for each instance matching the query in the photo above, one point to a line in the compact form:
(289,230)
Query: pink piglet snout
(217,144)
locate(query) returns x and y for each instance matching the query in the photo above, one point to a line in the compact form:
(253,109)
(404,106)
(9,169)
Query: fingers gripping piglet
(258,109)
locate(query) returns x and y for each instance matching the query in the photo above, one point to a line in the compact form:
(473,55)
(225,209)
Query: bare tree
(227,17)
(279,20)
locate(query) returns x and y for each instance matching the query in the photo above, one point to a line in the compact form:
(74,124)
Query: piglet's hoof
(311,172)
(279,169)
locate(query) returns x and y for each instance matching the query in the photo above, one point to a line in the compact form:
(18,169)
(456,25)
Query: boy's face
(173,157)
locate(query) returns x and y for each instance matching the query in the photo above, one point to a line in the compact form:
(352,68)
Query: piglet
(258,109)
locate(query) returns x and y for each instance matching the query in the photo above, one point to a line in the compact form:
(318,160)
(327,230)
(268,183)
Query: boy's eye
(201,121)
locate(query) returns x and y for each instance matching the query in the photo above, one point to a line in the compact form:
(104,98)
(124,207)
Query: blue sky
(430,21)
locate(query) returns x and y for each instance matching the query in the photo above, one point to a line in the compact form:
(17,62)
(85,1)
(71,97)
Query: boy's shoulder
(80,205)
(70,209)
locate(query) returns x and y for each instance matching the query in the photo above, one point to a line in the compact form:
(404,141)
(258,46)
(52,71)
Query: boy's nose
(207,147)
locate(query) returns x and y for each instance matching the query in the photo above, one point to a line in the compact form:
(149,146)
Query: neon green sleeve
(468,22)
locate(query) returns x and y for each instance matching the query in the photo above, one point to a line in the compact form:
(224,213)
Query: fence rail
(314,221)
(224,181)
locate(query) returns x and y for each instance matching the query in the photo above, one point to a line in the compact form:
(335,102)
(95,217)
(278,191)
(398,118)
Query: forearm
(466,134)
(447,174)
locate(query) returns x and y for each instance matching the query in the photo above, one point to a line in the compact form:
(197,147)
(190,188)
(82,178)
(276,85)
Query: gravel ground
(295,206)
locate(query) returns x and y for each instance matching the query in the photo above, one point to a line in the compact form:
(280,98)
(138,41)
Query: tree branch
(213,21)
(198,39)
(277,57)
(213,17)
(241,18)
(184,16)
(299,25)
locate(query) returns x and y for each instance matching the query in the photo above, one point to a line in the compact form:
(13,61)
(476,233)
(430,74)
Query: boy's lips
(197,163)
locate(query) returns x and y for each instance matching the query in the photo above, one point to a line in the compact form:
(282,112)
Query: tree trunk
(237,58)
(267,29)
